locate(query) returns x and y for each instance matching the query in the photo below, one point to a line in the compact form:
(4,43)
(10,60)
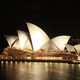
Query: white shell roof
(70,48)
(12,39)
(50,46)
(23,40)
(60,41)
(77,47)
(38,36)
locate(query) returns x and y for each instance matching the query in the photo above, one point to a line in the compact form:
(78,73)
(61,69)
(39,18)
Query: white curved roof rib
(60,41)
(77,47)
(23,40)
(70,48)
(38,36)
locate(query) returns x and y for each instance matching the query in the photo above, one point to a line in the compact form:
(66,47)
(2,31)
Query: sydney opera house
(37,45)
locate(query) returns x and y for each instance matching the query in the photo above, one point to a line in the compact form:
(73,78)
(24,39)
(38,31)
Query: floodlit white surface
(70,48)
(17,45)
(46,46)
(77,47)
(60,41)
(50,46)
(27,45)
(13,40)
(78,57)
(10,39)
(38,36)
(23,39)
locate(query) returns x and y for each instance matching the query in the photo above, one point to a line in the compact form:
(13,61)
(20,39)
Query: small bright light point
(28,57)
(6,61)
(20,61)
(1,61)
(11,62)
(50,63)
(15,61)
(25,62)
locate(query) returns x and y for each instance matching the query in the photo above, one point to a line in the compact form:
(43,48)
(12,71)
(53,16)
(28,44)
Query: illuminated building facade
(38,45)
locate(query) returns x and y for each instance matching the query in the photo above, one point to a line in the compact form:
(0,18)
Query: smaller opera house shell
(36,43)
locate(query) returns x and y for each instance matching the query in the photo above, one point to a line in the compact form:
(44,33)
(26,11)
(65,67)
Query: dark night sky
(55,18)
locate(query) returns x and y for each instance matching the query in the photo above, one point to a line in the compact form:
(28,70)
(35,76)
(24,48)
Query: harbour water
(39,71)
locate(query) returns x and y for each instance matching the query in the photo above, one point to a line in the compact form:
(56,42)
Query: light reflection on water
(39,71)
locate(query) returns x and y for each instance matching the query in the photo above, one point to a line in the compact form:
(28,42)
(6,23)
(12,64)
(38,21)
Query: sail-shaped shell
(38,36)
(10,39)
(77,47)
(50,46)
(70,48)
(23,39)
(60,41)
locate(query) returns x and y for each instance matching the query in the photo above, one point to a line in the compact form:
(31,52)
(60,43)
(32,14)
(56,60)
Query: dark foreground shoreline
(32,60)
